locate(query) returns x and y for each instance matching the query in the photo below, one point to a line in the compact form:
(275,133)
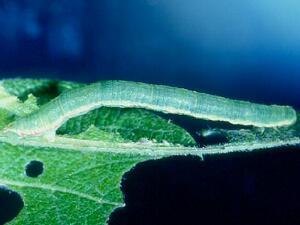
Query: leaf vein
(58,189)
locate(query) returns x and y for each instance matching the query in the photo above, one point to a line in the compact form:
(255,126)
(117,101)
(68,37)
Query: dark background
(239,49)
(242,49)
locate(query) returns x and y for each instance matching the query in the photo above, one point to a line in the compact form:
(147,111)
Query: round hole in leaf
(34,168)
(11,204)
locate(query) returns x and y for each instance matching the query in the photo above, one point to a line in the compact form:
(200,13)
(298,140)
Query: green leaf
(95,134)
(131,125)
(84,163)
(75,188)
(14,105)
(5,118)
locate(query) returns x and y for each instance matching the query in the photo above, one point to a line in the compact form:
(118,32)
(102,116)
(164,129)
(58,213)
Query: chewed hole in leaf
(151,194)
(34,168)
(212,137)
(119,216)
(11,204)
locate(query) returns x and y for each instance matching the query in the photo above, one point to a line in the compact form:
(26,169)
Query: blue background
(240,49)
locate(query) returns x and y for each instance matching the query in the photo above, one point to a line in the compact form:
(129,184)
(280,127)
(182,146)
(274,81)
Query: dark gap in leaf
(119,216)
(211,137)
(45,95)
(260,187)
(196,126)
(34,168)
(11,204)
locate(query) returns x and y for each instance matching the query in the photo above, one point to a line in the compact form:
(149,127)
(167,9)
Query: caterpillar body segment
(166,99)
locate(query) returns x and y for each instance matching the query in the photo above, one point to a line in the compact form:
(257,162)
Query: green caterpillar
(161,98)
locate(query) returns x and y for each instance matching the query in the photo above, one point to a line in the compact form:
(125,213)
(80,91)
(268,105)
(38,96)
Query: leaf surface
(75,188)
(85,162)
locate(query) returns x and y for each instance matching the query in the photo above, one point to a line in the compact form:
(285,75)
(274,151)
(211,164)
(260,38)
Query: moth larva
(153,97)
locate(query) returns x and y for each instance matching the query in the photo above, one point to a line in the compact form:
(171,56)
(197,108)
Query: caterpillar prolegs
(160,98)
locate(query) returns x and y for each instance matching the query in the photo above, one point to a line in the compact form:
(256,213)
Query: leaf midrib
(156,151)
